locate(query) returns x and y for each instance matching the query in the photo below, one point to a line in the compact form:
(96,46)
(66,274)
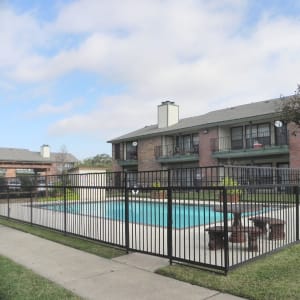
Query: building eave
(189,129)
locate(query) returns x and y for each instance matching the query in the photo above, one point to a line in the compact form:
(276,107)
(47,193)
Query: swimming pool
(147,213)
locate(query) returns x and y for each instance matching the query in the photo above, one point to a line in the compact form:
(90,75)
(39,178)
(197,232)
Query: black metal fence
(216,217)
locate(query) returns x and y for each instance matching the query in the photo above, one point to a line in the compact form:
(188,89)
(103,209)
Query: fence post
(297,212)
(169,228)
(8,206)
(126,213)
(226,246)
(65,210)
(30,207)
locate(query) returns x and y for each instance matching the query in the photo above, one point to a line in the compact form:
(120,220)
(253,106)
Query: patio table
(238,234)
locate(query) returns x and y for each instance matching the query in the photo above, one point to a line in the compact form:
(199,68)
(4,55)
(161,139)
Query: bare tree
(62,159)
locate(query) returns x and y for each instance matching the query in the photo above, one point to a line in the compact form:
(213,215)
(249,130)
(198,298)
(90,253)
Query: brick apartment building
(15,161)
(248,135)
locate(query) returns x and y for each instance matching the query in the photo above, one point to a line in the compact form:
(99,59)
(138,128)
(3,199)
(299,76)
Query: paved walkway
(92,277)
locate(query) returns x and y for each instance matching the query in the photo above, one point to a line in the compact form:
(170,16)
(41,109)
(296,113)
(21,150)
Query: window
(117,151)
(281,135)
(131,150)
(261,175)
(258,133)
(237,137)
(183,177)
(283,174)
(195,144)
(186,143)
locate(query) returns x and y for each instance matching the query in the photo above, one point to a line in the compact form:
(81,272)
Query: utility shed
(89,182)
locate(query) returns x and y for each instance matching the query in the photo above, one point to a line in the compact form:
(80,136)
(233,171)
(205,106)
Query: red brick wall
(294,146)
(115,165)
(146,155)
(10,173)
(205,153)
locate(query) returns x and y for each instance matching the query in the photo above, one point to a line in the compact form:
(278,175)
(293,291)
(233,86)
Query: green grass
(273,277)
(72,241)
(58,195)
(19,283)
(276,276)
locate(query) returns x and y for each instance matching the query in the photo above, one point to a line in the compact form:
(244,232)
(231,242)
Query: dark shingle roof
(227,115)
(24,155)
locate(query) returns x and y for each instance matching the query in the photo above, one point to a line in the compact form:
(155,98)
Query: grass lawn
(17,282)
(273,277)
(72,241)
(276,276)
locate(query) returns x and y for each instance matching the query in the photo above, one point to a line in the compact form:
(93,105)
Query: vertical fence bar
(31,210)
(126,212)
(8,205)
(65,210)
(297,212)
(169,230)
(146,235)
(226,243)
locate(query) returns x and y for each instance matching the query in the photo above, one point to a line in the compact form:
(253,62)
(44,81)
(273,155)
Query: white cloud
(114,114)
(19,35)
(129,36)
(47,108)
(193,52)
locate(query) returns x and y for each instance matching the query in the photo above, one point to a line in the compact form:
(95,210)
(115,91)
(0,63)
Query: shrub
(230,182)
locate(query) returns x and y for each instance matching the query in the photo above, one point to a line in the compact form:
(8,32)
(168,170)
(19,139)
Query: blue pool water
(148,213)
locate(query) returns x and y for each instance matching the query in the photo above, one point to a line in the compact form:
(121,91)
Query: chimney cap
(167,102)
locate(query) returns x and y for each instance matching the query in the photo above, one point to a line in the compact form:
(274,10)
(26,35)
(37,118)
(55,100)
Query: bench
(217,233)
(276,226)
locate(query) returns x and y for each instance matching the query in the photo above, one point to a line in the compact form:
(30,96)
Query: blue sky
(75,74)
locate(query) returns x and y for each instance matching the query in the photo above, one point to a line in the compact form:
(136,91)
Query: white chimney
(168,114)
(45,151)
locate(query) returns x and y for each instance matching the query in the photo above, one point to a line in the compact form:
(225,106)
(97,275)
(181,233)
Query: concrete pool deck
(189,244)
(92,277)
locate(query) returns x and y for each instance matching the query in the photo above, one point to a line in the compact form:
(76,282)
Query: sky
(77,73)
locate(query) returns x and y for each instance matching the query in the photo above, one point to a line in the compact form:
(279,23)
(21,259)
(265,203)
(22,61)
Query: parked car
(14,184)
(43,186)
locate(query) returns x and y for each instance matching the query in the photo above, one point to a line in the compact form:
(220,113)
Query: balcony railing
(131,155)
(172,151)
(130,158)
(244,143)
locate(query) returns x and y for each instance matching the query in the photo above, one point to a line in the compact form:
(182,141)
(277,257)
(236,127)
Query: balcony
(226,147)
(129,159)
(172,153)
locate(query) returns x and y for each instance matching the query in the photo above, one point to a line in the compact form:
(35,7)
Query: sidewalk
(92,277)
